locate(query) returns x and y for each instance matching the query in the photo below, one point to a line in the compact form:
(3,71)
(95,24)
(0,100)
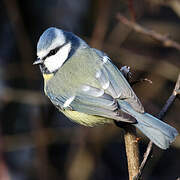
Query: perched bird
(88,88)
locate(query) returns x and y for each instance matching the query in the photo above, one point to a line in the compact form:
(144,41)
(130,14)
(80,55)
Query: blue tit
(89,89)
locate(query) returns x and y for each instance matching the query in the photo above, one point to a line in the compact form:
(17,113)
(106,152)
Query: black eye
(53,52)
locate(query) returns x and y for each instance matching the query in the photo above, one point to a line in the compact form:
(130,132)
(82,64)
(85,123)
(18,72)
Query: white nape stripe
(54,62)
(68,102)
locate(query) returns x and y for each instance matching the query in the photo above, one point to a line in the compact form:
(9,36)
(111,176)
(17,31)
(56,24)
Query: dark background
(39,143)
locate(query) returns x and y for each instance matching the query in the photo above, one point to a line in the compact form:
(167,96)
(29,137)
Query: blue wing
(93,101)
(103,99)
(119,87)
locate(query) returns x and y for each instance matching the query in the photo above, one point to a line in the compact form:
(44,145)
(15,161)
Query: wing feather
(92,101)
(100,97)
(119,87)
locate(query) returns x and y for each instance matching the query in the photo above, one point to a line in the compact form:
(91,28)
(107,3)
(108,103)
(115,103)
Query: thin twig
(140,81)
(171,99)
(160,116)
(157,36)
(168,43)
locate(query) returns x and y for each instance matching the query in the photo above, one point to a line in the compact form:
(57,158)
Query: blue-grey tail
(156,130)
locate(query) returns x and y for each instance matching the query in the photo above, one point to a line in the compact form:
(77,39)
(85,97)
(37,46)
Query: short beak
(38,61)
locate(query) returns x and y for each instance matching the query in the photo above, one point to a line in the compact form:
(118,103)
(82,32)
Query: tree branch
(168,43)
(157,36)
(160,116)
(130,138)
(132,150)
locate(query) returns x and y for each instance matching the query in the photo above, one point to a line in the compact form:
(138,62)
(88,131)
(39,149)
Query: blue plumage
(46,40)
(86,86)
(156,130)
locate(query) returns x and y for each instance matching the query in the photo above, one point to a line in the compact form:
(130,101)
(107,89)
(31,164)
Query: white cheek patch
(54,62)
(58,41)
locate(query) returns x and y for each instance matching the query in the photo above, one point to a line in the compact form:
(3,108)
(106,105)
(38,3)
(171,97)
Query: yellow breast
(86,119)
(47,77)
(78,117)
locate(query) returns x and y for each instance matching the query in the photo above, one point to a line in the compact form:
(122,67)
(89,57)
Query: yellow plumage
(81,118)
(86,119)
(47,77)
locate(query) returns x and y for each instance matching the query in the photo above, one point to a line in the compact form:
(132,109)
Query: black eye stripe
(54,51)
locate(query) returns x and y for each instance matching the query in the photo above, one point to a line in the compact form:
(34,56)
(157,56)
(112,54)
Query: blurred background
(39,143)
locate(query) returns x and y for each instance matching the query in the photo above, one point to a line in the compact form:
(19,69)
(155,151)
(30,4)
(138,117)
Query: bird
(84,84)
